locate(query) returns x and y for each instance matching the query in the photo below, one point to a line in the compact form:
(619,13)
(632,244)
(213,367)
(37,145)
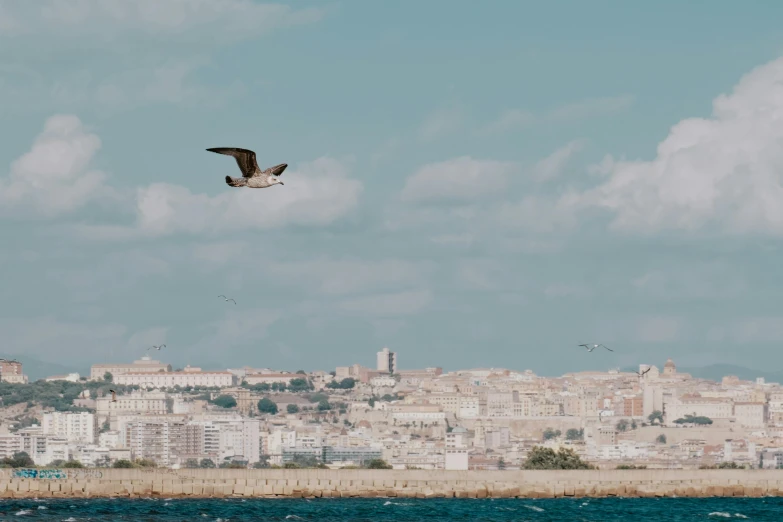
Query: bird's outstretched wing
(246,159)
(231,300)
(222,296)
(277,170)
(606,347)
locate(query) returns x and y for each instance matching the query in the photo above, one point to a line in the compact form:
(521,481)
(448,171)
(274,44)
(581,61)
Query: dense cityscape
(485,418)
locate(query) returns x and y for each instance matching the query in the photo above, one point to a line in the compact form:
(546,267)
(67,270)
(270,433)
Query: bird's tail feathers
(235,182)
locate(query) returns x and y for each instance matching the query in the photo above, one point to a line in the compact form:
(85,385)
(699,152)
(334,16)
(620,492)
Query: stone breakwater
(388,483)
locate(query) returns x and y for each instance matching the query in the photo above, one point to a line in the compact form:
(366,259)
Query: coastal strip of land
(318,483)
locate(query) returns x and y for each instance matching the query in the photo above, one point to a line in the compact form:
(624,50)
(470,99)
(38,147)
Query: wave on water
(534,508)
(23,512)
(719,514)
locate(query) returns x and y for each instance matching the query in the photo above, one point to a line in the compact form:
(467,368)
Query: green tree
(301,372)
(656,416)
(575,434)
(549,433)
(266,405)
(317,397)
(225,401)
(622,425)
(191,463)
(345,384)
(661,439)
(371,402)
(207,463)
(324,406)
(108,377)
(501,464)
(694,419)
(299,385)
(73,464)
(146,463)
(547,458)
(633,425)
(122,463)
(57,463)
(263,462)
(377,464)
(292,408)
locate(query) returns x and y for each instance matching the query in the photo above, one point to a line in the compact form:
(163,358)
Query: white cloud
(513,119)
(657,329)
(481,274)
(55,176)
(553,165)
(319,193)
(79,343)
(389,304)
(350,276)
(441,122)
(462,178)
(184,20)
(725,171)
(590,108)
(509,120)
(749,330)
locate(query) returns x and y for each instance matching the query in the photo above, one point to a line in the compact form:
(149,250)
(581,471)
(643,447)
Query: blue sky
(469,185)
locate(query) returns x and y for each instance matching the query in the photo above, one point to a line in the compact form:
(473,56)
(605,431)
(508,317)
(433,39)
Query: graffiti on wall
(55,474)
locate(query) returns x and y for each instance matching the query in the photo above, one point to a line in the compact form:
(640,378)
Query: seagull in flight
(227,299)
(591,347)
(642,374)
(113,396)
(252,176)
(156,347)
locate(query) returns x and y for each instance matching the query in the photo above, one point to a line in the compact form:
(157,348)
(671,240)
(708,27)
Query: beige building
(750,414)
(11,371)
(143,365)
(139,401)
(190,376)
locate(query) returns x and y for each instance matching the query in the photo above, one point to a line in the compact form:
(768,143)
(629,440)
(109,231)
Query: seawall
(387,483)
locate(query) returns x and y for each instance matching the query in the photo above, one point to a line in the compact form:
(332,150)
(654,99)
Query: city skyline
(467,187)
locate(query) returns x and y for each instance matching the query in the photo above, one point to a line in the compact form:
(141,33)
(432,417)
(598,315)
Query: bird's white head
(277,181)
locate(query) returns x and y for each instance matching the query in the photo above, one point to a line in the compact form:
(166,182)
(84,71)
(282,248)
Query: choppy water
(382,510)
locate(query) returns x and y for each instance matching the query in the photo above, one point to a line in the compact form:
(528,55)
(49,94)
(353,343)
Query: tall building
(74,427)
(387,361)
(11,371)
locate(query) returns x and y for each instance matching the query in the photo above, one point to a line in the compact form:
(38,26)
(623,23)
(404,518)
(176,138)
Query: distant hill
(716,372)
(36,369)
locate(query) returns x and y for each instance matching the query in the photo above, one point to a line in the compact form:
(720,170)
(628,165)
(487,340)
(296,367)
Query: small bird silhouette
(156,347)
(591,347)
(642,374)
(113,396)
(227,299)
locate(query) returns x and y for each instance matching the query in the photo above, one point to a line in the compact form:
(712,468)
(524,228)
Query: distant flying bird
(642,374)
(591,347)
(227,299)
(113,396)
(156,347)
(252,176)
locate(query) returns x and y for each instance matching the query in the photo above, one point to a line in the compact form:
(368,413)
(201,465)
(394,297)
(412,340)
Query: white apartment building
(10,443)
(74,427)
(270,378)
(383,381)
(143,365)
(386,361)
(190,376)
(138,401)
(155,440)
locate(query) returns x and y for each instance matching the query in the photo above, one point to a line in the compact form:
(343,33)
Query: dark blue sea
(382,510)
